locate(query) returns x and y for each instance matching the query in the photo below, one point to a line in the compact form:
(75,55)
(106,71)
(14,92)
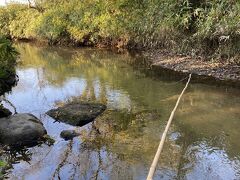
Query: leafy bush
(51,25)
(195,27)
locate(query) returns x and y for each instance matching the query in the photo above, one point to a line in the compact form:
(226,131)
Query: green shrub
(195,27)
(51,25)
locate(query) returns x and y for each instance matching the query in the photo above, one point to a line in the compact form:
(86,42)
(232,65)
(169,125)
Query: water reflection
(120,144)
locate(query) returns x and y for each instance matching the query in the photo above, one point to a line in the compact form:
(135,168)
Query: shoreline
(208,72)
(218,72)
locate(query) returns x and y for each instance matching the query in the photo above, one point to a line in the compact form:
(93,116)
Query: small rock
(68,134)
(21,130)
(77,114)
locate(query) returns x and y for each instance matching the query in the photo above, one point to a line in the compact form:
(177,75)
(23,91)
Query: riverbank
(187,27)
(217,72)
(206,29)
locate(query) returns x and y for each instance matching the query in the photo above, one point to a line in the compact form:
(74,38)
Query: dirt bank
(219,71)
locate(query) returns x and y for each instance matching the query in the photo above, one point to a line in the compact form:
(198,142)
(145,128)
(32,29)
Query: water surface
(203,142)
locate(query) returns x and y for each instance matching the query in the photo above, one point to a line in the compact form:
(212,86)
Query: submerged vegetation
(195,27)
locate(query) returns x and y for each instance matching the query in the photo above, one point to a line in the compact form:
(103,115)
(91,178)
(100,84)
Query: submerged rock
(77,114)
(68,134)
(4,112)
(21,130)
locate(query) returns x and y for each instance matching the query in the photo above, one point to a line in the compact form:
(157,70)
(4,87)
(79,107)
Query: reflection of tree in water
(212,118)
(100,162)
(105,68)
(127,137)
(64,159)
(185,141)
(89,91)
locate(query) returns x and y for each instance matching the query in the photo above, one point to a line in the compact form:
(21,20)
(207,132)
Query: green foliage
(2,165)
(23,25)
(8,56)
(218,25)
(186,26)
(51,24)
(7,16)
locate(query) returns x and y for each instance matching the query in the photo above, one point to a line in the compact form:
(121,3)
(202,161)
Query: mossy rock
(69,134)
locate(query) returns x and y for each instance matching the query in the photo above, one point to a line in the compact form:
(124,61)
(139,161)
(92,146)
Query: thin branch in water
(11,104)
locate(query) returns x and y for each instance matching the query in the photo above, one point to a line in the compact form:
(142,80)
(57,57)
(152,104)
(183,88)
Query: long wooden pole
(160,147)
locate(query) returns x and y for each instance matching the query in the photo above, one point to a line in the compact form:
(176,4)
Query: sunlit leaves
(182,26)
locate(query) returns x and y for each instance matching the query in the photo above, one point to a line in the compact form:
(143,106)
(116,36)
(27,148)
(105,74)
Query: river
(203,141)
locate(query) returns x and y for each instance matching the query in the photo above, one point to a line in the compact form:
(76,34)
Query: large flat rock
(21,130)
(77,114)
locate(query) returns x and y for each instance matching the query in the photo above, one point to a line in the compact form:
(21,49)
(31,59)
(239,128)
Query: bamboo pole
(160,147)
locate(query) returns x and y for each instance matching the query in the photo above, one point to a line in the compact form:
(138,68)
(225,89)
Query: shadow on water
(121,143)
(7,84)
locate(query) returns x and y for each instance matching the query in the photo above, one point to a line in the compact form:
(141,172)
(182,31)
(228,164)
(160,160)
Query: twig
(11,104)
(160,147)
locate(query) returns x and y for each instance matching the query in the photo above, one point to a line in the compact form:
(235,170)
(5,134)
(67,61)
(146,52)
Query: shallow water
(203,142)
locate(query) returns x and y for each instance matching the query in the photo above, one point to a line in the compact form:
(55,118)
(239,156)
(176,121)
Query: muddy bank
(216,72)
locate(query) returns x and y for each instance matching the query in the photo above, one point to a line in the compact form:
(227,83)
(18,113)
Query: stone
(77,114)
(21,130)
(68,134)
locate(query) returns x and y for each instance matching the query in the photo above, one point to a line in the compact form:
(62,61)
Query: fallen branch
(160,147)
(11,104)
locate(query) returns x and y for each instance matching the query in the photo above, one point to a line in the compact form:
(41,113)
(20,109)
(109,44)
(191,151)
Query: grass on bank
(194,27)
